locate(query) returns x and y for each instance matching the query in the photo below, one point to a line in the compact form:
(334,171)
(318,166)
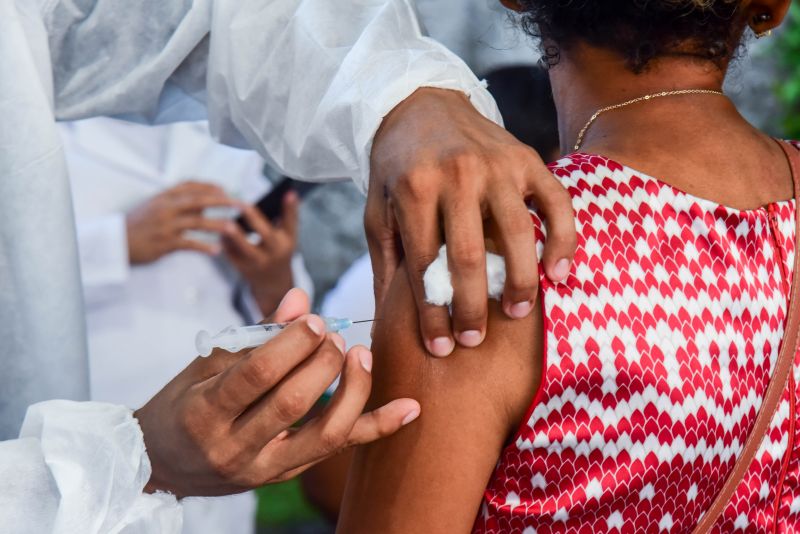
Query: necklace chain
(644,98)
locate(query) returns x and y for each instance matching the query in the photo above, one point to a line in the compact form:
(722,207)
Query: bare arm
(430,477)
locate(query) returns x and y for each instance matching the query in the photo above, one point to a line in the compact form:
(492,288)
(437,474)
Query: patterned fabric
(658,351)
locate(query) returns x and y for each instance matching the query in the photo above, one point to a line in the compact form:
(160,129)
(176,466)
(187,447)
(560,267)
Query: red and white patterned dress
(658,351)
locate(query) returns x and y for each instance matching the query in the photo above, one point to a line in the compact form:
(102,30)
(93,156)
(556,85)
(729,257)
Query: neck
(587,79)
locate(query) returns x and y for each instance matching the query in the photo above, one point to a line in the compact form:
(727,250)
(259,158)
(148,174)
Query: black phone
(271,204)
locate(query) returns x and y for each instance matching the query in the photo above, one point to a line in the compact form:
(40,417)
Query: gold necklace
(645,98)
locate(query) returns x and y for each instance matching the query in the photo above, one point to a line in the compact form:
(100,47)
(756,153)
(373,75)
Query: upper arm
(433,473)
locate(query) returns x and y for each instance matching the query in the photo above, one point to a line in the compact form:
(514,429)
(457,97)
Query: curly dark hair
(639,30)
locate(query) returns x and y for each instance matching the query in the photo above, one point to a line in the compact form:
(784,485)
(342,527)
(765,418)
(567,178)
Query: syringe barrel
(236,338)
(255,335)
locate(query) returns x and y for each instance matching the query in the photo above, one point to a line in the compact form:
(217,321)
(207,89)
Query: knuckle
(519,225)
(521,287)
(332,440)
(222,462)
(192,424)
(419,263)
(555,193)
(289,407)
(467,257)
(467,167)
(259,373)
(384,427)
(471,316)
(465,161)
(417,186)
(522,152)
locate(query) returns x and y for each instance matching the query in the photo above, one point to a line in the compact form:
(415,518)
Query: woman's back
(658,350)
(624,402)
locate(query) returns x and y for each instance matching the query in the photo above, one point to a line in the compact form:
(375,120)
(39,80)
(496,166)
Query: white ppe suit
(305,82)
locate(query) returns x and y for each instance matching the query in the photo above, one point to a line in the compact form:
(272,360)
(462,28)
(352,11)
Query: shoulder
(601,190)
(596,182)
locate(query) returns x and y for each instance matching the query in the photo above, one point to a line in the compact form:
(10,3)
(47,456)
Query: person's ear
(763,16)
(513,5)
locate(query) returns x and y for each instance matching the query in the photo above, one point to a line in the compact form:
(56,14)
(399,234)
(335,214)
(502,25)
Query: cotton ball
(438,285)
(438,289)
(495,275)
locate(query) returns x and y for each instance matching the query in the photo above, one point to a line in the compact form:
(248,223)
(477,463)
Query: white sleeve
(81,468)
(103,251)
(311,80)
(305,82)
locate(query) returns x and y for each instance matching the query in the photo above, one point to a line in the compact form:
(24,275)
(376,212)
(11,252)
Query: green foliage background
(788,47)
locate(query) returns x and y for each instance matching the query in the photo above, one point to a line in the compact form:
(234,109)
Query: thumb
(294,304)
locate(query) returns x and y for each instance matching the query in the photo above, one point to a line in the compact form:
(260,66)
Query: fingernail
(441,346)
(365,357)
(520,310)
(561,269)
(470,338)
(413,414)
(316,324)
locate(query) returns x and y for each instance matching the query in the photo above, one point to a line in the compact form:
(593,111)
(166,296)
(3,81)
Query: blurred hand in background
(266,262)
(158,226)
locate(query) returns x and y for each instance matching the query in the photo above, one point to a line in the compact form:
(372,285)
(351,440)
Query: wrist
(130,242)
(157,481)
(419,97)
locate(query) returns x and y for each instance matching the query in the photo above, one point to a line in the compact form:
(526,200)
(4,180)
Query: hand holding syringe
(236,338)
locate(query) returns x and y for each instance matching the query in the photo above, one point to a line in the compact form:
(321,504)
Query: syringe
(236,338)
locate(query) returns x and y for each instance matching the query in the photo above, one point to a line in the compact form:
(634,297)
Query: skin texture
(224,425)
(439,170)
(430,477)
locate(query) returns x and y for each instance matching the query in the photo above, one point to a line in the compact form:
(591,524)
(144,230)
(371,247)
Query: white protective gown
(305,82)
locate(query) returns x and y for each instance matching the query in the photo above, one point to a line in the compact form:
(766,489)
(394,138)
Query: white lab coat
(142,319)
(306,82)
